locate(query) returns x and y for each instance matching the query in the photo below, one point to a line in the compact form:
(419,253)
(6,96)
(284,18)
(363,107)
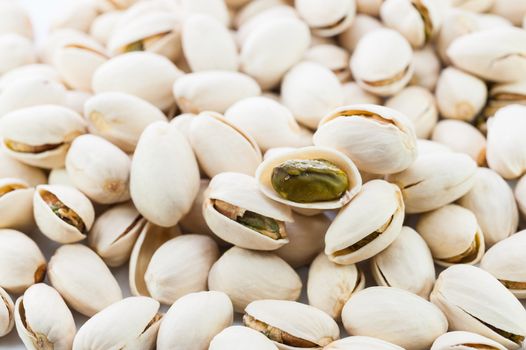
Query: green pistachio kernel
(135,46)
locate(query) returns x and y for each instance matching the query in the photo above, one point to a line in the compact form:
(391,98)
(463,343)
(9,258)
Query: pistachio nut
(475,301)
(40,135)
(460,340)
(461,137)
(505,260)
(213,90)
(360,26)
(419,105)
(506,153)
(520,196)
(214,8)
(102,27)
(143,74)
(29,72)
(427,146)
(62,213)
(434,180)
(406,264)
(512,10)
(75,100)
(354,94)
(16,50)
(367,225)
(183,327)
(330,285)
(16,203)
(253,9)
(310,91)
(15,19)
(382,62)
(494,54)
(131,323)
(427,68)
(474,6)
(358,342)
(194,221)
(460,95)
(337,180)
(327,18)
(394,315)
(7,318)
(502,95)
(491,200)
(291,325)
(163,153)
(241,338)
(269,122)
(73,267)
(59,176)
(10,167)
(220,146)
(120,118)
(43,320)
(114,233)
(182,122)
(331,56)
(78,16)
(380,140)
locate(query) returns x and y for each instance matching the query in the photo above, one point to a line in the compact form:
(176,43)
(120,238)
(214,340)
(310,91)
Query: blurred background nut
(354,94)
(12,168)
(327,18)
(359,342)
(461,137)
(456,339)
(331,56)
(240,338)
(7,319)
(16,203)
(427,66)
(16,50)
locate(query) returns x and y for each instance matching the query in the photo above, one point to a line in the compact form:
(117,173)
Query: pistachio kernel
(135,46)
(65,213)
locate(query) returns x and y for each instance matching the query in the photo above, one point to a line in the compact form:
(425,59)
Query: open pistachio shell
(460,340)
(12,168)
(241,338)
(367,225)
(358,342)
(16,203)
(327,18)
(7,317)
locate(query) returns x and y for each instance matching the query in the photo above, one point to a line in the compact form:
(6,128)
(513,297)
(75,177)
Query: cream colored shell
(10,167)
(7,318)
(354,94)
(327,18)
(16,52)
(427,67)
(461,137)
(194,220)
(16,207)
(460,340)
(333,57)
(358,342)
(361,25)
(240,338)
(520,194)
(15,19)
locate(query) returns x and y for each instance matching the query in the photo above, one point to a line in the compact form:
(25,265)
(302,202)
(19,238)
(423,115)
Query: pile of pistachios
(270,174)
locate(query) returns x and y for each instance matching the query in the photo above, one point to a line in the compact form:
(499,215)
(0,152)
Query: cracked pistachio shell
(419,105)
(194,221)
(502,95)
(494,55)
(10,167)
(367,225)
(213,90)
(379,140)
(162,149)
(16,203)
(473,6)
(62,213)
(43,320)
(331,56)
(358,342)
(354,94)
(143,74)
(310,91)
(475,301)
(460,95)
(7,318)
(505,261)
(506,145)
(270,123)
(247,275)
(265,169)
(361,25)
(330,285)
(427,67)
(460,340)
(434,180)
(16,51)
(303,323)
(452,234)
(272,48)
(406,264)
(491,200)
(461,137)
(22,264)
(114,233)
(120,118)
(72,268)
(131,323)
(99,169)
(15,19)
(240,338)
(327,18)
(150,239)
(183,327)
(220,146)
(242,194)
(40,135)
(180,266)
(394,315)
(382,62)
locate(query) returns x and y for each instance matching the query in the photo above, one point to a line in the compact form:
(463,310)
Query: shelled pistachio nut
(129,323)
(327,18)
(17,51)
(380,140)
(40,135)
(7,318)
(291,325)
(120,118)
(461,137)
(330,285)
(72,268)
(12,168)
(358,342)
(247,275)
(502,95)
(427,67)
(183,327)
(367,225)
(354,94)
(331,56)
(505,261)
(465,341)
(237,212)
(491,200)
(22,264)
(43,320)
(240,338)
(114,233)
(475,301)
(162,149)
(406,264)
(434,180)
(62,213)
(16,203)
